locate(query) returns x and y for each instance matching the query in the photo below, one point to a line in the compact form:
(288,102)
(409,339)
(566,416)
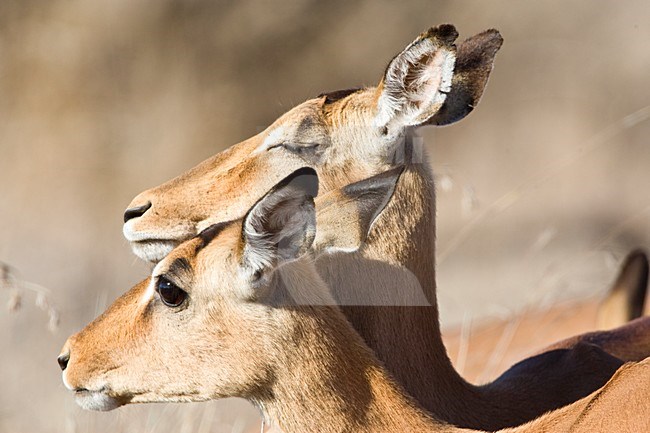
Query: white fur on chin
(154,250)
(96,400)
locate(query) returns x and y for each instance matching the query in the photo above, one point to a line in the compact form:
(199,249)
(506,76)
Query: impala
(240,310)
(347,136)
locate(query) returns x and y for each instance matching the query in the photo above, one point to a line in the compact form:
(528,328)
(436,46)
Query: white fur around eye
(148,294)
(151,288)
(275,137)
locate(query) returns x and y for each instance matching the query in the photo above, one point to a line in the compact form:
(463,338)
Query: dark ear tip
(304,171)
(445,32)
(639,256)
(638,252)
(493,32)
(489,40)
(306,177)
(495,37)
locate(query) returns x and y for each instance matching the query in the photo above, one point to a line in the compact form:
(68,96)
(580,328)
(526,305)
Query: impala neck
(388,292)
(404,235)
(328,381)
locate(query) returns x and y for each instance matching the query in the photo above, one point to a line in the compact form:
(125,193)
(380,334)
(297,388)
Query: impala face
(187,333)
(211,321)
(226,185)
(345,136)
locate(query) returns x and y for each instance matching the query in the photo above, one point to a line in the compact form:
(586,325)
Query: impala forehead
(276,136)
(178,265)
(210,250)
(148,293)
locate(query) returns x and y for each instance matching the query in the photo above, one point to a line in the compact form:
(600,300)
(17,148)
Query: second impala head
(345,136)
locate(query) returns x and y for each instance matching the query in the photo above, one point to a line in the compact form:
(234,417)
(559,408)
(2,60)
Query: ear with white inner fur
(345,216)
(281,226)
(417,80)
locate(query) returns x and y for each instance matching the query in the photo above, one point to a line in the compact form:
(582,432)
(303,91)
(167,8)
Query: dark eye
(170,294)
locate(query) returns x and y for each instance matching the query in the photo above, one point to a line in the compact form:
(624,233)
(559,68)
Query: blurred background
(541,190)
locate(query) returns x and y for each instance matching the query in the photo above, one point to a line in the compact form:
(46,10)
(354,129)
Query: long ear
(474,61)
(432,82)
(345,216)
(282,225)
(417,80)
(626,299)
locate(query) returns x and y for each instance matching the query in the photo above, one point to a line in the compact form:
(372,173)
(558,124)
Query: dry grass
(19,288)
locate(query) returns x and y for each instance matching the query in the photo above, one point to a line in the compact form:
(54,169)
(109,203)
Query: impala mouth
(153,250)
(138,231)
(99,400)
(153,247)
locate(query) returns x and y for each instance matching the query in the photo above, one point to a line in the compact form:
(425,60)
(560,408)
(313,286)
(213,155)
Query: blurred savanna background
(542,190)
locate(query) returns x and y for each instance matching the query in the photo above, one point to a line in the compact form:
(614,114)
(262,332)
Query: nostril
(63,360)
(136,212)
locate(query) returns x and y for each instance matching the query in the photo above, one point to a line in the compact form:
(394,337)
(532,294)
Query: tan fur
(303,365)
(397,314)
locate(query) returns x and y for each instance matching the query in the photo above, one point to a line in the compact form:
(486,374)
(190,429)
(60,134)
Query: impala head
(345,136)
(216,313)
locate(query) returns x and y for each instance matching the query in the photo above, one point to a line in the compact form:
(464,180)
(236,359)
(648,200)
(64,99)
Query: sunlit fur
(402,331)
(302,364)
(396,310)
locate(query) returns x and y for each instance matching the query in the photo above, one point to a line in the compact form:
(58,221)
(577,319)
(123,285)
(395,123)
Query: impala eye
(300,147)
(170,294)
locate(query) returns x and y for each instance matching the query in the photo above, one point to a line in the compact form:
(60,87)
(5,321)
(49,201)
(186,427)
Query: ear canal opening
(310,181)
(417,80)
(281,225)
(303,171)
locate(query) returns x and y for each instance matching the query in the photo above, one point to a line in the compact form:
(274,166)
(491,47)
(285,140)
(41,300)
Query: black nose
(136,212)
(63,360)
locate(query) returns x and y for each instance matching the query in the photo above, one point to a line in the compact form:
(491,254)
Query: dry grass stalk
(9,280)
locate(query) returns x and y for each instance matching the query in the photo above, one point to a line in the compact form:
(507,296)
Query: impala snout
(90,357)
(64,362)
(136,211)
(151,236)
